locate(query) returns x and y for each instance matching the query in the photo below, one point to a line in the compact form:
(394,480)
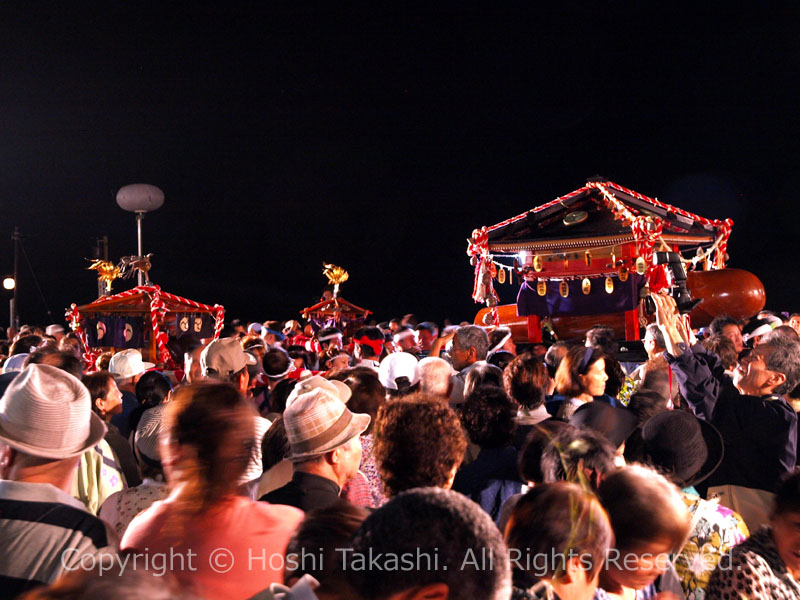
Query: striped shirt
(45,532)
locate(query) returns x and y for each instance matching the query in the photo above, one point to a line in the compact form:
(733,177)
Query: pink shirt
(232,551)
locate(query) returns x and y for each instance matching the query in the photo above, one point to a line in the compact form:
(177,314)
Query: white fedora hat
(46,412)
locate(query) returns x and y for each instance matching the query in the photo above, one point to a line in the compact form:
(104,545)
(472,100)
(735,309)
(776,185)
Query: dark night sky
(378,141)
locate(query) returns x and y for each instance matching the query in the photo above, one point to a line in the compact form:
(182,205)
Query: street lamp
(140,198)
(9,283)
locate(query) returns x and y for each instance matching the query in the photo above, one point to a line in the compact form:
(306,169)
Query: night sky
(283,139)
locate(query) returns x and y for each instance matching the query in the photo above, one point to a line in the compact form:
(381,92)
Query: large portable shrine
(584,258)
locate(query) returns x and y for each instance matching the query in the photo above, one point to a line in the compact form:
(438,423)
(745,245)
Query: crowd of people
(399,460)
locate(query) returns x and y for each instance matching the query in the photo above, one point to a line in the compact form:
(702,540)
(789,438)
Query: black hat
(688,448)
(615,423)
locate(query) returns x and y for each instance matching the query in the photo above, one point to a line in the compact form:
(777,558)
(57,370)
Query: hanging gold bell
(501,276)
(609,285)
(641,265)
(564,289)
(541,287)
(623,273)
(586,286)
(537,263)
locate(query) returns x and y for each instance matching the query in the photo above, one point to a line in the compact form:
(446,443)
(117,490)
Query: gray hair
(434,374)
(784,358)
(472,336)
(654,331)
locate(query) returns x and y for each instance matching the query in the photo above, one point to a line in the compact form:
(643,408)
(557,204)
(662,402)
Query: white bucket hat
(46,412)
(128,363)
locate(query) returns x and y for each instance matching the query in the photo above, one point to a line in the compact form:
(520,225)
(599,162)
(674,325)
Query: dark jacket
(490,479)
(305,491)
(759,433)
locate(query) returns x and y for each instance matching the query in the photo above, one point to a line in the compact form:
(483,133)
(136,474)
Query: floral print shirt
(715,530)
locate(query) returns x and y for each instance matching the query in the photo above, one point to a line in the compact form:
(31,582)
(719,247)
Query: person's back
(45,424)
(225,535)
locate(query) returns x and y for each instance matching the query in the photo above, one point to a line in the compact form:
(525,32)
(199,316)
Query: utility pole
(14,314)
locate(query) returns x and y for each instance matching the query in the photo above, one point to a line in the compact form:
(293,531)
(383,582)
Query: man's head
(368,343)
(773,367)
(435,377)
(46,423)
(191,363)
(432,524)
(324,435)
(271,331)
(404,338)
(653,341)
(426,333)
(565,523)
(730,328)
(470,344)
(225,360)
(794,322)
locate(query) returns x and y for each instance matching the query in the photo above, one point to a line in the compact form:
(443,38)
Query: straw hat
(318,422)
(316,382)
(46,412)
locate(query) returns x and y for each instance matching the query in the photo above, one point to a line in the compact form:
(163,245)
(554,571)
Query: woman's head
(581,372)
(488,415)
(106,397)
(210,438)
(525,380)
(152,389)
(418,443)
(650,521)
(368,394)
(481,375)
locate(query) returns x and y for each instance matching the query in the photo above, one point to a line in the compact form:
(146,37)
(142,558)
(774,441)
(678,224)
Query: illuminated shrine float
(590,257)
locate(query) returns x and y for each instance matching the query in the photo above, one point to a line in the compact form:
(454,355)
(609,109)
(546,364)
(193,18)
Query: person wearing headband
(580,377)
(500,341)
(405,340)
(368,347)
(329,336)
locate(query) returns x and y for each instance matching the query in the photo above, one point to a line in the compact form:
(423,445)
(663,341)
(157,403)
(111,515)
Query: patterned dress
(715,531)
(755,570)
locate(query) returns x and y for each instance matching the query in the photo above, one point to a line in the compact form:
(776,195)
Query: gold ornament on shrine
(566,261)
(586,286)
(588,258)
(541,287)
(106,272)
(563,289)
(501,276)
(336,276)
(537,263)
(641,265)
(609,285)
(623,273)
